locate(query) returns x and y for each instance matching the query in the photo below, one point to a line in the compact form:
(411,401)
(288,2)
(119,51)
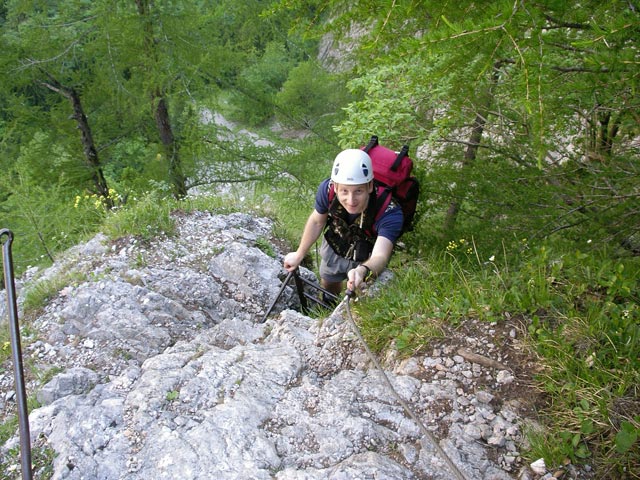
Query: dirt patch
(502,344)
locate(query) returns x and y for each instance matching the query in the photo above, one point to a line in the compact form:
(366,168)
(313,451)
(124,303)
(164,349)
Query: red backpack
(392,178)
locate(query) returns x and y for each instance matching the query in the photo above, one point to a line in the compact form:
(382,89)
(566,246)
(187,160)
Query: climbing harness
(452,466)
(23,414)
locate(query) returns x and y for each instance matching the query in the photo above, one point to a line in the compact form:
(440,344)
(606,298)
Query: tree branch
(580,69)
(560,24)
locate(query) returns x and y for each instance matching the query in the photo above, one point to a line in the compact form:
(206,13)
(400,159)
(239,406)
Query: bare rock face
(167,372)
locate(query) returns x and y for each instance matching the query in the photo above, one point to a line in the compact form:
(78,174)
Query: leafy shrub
(146,218)
(310,95)
(258,84)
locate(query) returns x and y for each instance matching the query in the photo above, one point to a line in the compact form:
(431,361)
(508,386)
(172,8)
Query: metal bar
(300,288)
(275,300)
(299,281)
(23,413)
(318,301)
(318,287)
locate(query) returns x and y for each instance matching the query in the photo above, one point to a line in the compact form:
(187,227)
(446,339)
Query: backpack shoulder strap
(383,199)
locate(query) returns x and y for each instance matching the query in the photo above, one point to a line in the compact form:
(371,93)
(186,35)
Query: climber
(358,240)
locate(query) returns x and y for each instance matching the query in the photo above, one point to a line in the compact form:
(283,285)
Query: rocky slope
(161,368)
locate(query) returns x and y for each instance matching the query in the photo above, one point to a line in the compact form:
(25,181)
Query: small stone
(484,397)
(539,467)
(409,367)
(496,440)
(472,432)
(504,377)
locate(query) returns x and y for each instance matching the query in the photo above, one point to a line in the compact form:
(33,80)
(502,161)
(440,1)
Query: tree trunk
(473,145)
(161,111)
(470,154)
(177,178)
(88,145)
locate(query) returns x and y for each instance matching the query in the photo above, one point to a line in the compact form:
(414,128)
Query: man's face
(354,198)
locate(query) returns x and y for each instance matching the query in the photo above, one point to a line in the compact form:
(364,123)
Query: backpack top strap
(372,143)
(403,153)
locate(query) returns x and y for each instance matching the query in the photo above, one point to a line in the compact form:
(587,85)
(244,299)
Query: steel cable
(452,466)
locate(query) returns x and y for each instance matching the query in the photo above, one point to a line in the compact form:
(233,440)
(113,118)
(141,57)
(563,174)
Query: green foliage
(172,395)
(8,429)
(402,314)
(310,95)
(147,218)
(46,219)
(592,344)
(291,194)
(132,165)
(258,84)
(627,436)
(539,94)
(384,106)
(265,246)
(5,341)
(42,458)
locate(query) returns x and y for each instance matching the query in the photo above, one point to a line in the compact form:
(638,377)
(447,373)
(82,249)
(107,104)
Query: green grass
(5,342)
(8,428)
(584,323)
(147,218)
(41,291)
(41,461)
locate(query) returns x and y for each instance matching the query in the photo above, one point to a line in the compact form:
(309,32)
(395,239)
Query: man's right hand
(292,261)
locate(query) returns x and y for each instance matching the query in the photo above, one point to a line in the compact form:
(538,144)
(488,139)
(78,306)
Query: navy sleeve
(322,197)
(390,224)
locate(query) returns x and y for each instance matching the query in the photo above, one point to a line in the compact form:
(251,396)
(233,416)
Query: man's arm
(312,231)
(376,263)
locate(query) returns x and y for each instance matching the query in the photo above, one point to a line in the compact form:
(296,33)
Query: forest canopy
(103,101)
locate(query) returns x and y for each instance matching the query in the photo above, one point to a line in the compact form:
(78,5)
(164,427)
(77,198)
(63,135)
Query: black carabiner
(21,396)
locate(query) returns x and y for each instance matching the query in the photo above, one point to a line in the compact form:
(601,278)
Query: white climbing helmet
(352,167)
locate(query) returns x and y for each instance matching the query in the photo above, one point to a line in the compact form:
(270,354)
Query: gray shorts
(333,267)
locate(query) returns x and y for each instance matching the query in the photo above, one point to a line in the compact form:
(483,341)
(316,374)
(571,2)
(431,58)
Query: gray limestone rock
(167,372)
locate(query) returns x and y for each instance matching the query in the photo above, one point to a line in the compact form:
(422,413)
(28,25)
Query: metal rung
(299,281)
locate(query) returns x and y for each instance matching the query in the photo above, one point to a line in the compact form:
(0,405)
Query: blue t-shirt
(389,225)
